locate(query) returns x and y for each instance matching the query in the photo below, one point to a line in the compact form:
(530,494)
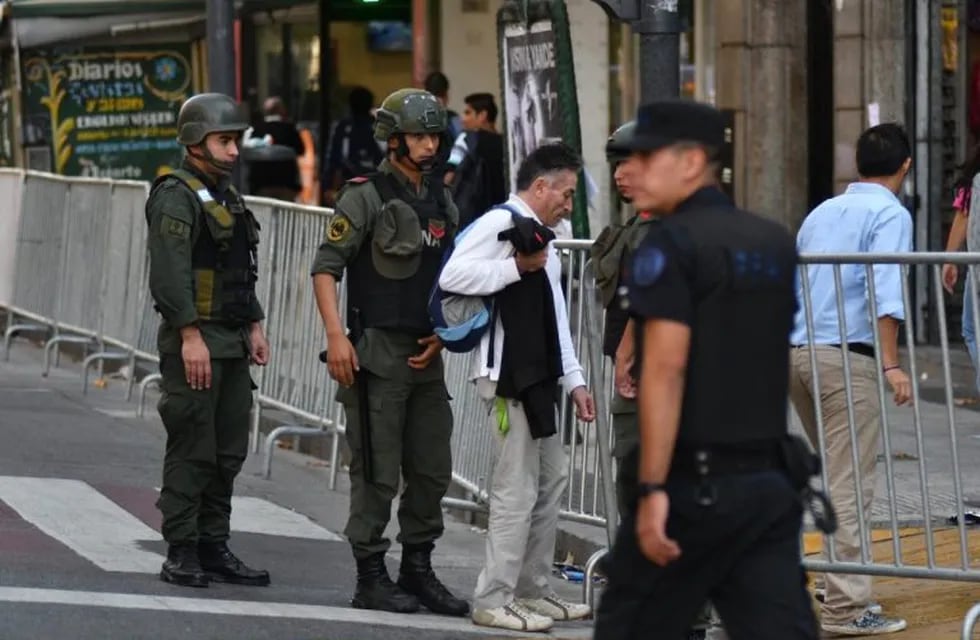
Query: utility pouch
(800,465)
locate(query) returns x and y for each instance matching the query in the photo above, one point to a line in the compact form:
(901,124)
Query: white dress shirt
(482,265)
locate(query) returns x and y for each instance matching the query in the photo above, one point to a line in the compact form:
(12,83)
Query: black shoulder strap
(383,183)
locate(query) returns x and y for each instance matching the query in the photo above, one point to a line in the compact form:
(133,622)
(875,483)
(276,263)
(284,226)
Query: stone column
(869,68)
(760,74)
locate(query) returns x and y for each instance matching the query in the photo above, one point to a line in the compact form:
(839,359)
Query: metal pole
(221,46)
(659,31)
(326,71)
(658,25)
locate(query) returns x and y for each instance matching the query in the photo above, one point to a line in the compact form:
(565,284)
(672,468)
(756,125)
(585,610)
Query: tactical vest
(610,251)
(374,301)
(224,256)
(740,271)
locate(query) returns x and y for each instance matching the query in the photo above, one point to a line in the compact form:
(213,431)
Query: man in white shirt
(530,475)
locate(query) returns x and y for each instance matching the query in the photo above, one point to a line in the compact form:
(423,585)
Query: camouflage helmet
(209,113)
(617,146)
(409,111)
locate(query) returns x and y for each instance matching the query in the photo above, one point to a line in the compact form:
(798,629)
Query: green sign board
(107,112)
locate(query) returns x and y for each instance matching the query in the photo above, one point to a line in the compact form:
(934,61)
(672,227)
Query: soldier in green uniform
(202,244)
(610,253)
(390,232)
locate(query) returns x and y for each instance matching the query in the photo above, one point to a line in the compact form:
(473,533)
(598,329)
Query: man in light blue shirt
(867,218)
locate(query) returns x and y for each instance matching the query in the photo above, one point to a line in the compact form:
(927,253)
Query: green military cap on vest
(396,246)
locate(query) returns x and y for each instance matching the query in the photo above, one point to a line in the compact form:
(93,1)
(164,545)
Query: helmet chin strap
(401,151)
(220,167)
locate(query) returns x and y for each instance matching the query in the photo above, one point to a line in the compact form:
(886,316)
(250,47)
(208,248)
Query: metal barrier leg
(100,357)
(144,383)
(970,621)
(54,342)
(285,430)
(131,379)
(14,329)
(334,459)
(588,589)
(255,423)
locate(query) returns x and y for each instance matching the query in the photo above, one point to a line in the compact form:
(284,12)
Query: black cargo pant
(742,553)
(207,442)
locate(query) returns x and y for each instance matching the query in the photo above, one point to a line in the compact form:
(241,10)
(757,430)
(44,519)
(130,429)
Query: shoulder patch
(339,228)
(648,265)
(175,228)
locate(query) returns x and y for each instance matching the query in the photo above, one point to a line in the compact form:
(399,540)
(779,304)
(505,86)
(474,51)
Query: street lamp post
(658,25)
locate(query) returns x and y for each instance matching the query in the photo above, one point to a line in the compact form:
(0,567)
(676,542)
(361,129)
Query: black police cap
(668,122)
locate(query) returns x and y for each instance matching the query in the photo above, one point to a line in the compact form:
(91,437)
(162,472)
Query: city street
(80,547)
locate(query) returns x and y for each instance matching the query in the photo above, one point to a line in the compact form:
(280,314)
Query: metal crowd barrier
(919,499)
(124,292)
(39,252)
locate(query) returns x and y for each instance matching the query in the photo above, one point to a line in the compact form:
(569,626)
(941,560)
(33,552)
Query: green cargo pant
(207,441)
(625,445)
(411,424)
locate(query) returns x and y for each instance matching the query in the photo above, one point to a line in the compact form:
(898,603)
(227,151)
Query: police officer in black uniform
(717,515)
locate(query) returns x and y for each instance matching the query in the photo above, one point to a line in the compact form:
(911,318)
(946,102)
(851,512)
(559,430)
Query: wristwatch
(643,489)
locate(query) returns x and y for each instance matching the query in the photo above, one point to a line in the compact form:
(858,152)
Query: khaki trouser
(529,478)
(848,595)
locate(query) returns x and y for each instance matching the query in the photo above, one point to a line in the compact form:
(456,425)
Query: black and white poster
(530,79)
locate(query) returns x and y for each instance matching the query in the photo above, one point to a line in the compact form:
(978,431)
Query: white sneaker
(513,616)
(557,608)
(869,624)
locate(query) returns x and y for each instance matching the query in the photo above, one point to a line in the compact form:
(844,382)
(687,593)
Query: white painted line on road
(425,622)
(255,515)
(84,520)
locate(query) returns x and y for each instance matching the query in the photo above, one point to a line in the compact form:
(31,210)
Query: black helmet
(617,146)
(409,111)
(209,113)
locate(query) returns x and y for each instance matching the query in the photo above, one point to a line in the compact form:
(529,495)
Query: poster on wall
(106,112)
(539,99)
(530,91)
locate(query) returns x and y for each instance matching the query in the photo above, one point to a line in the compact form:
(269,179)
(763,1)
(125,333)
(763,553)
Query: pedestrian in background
(964,203)
(202,243)
(508,253)
(277,178)
(867,218)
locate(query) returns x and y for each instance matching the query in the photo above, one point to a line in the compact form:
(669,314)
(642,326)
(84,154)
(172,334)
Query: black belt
(698,462)
(859,348)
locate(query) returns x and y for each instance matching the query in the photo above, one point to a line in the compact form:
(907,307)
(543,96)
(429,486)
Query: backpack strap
(515,215)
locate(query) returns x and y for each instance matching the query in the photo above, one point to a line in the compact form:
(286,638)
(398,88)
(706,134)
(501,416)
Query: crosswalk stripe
(84,520)
(255,515)
(173,604)
(106,534)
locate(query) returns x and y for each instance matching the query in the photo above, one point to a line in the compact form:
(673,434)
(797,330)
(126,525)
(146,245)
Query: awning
(46,30)
(63,8)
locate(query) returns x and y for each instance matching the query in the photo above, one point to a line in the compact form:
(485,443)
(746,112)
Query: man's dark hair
(360,101)
(482,102)
(437,84)
(881,150)
(546,159)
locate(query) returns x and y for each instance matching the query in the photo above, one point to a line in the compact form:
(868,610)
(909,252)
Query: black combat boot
(418,578)
(375,590)
(182,567)
(222,565)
